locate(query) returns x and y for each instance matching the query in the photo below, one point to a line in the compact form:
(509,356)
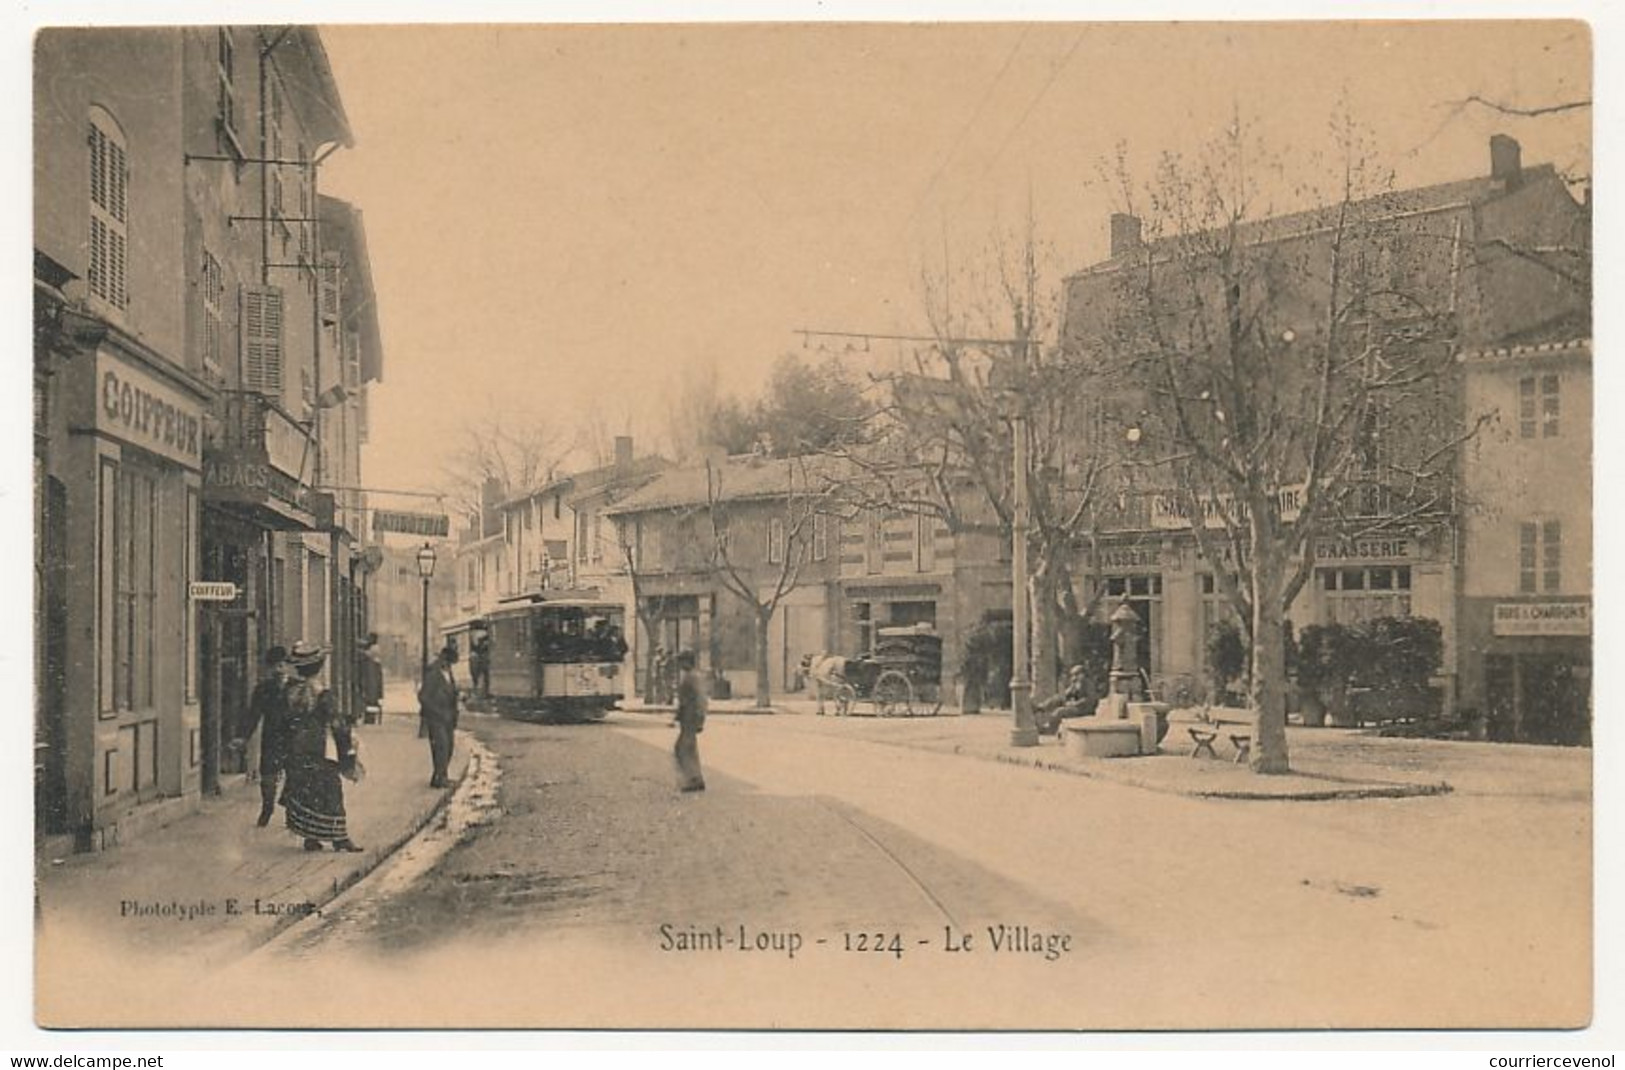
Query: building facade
(1524,656)
(176,253)
(1495,258)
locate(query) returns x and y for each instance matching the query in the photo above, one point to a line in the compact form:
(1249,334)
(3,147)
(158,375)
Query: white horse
(828,672)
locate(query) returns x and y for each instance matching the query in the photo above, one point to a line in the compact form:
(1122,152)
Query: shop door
(50,790)
(1500,698)
(1552,701)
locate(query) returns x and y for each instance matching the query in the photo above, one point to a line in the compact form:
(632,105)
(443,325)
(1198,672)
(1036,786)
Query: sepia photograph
(813,526)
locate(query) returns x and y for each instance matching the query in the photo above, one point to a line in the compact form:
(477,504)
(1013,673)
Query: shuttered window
(212,293)
(109,210)
(262,339)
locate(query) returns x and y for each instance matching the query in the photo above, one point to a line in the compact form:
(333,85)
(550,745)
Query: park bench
(1236,725)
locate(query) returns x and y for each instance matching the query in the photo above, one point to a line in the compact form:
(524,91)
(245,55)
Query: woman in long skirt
(690,723)
(314,793)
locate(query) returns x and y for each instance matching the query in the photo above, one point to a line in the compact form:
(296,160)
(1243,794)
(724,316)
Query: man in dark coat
(268,712)
(370,678)
(691,709)
(437,705)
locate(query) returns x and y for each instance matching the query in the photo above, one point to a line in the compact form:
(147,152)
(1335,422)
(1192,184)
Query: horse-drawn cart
(902,678)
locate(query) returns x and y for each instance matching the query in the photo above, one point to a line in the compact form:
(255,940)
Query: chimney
(623,451)
(1506,164)
(1125,233)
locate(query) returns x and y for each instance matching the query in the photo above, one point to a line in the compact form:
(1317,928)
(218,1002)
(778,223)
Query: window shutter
(262,339)
(330,289)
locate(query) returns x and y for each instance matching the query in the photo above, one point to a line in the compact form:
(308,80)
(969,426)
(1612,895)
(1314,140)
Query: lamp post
(426,557)
(1012,386)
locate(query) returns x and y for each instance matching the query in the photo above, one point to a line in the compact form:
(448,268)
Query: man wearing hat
(268,713)
(314,796)
(437,706)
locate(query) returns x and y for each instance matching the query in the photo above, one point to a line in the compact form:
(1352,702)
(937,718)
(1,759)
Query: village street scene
(824,526)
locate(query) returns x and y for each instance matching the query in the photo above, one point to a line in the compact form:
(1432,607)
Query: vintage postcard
(885,526)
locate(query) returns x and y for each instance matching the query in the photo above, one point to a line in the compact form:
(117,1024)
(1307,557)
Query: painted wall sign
(1542,618)
(1369,549)
(1121,558)
(134,406)
(432,525)
(1168,511)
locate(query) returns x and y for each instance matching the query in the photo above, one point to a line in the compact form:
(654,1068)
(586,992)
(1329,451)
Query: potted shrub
(1328,655)
(1403,656)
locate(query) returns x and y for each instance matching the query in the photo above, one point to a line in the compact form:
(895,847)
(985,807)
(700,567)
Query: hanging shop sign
(428,525)
(1542,618)
(212,591)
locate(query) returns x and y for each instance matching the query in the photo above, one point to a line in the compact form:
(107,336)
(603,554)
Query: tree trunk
(1268,689)
(1045,625)
(764,684)
(651,689)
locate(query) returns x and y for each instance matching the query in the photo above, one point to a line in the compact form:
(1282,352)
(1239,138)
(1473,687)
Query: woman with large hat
(314,795)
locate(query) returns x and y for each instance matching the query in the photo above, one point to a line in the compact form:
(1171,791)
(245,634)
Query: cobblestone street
(1174,911)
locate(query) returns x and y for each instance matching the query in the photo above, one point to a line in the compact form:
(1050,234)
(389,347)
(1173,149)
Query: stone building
(1496,258)
(188,391)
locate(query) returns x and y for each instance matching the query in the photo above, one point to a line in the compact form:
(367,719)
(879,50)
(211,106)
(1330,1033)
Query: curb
(375,857)
(1376,791)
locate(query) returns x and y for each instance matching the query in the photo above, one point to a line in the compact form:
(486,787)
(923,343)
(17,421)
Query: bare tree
(946,448)
(520,451)
(1293,371)
(761,581)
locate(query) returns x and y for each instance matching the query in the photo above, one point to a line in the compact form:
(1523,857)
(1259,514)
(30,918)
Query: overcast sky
(563,217)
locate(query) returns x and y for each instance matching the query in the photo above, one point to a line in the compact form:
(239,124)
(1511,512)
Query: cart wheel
(894,695)
(845,696)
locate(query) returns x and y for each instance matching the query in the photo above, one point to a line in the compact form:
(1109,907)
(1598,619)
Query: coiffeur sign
(136,407)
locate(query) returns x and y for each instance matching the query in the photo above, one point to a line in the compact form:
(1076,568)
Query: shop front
(130,466)
(1527,668)
(253,489)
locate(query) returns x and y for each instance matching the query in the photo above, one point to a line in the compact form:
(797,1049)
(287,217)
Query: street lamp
(426,557)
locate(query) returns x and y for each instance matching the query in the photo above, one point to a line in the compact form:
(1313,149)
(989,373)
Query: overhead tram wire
(981,106)
(1055,73)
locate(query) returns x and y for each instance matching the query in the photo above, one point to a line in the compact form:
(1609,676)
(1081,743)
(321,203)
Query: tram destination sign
(392,522)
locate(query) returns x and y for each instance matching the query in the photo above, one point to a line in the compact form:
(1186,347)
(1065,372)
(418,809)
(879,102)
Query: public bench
(1236,725)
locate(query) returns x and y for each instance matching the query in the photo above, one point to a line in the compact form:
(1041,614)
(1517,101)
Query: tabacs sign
(428,525)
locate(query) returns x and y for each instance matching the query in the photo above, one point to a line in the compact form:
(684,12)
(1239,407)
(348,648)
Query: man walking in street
(691,705)
(437,706)
(268,712)
(371,681)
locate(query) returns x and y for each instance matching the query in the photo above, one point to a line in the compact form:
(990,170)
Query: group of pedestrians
(296,721)
(308,747)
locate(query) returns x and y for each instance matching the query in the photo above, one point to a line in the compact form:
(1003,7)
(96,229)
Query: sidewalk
(211,886)
(1326,763)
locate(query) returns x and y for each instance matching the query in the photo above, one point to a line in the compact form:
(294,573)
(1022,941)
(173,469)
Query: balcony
(258,460)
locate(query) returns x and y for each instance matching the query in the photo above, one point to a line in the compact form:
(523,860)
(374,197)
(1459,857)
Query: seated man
(1077,699)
